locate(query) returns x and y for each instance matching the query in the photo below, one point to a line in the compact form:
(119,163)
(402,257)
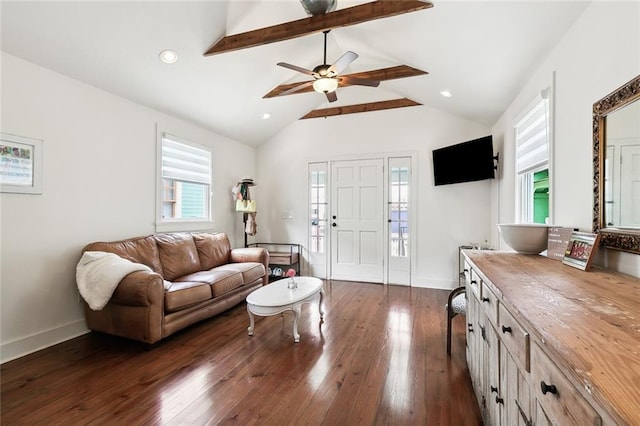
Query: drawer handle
(486,299)
(470,327)
(494,389)
(548,388)
(473,282)
(499,400)
(506,329)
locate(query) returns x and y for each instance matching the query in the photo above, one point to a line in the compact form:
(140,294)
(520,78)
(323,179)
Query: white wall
(99,184)
(447,216)
(597,55)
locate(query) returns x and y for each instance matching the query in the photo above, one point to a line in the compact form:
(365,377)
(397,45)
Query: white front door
(357,220)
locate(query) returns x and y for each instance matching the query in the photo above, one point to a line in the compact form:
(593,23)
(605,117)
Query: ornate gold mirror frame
(616,238)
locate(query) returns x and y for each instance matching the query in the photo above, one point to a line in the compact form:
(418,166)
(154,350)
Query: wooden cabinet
(516,338)
(483,347)
(556,396)
(541,349)
(515,388)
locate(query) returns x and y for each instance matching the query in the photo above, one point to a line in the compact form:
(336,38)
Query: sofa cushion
(251,271)
(213,249)
(221,280)
(139,250)
(182,294)
(178,255)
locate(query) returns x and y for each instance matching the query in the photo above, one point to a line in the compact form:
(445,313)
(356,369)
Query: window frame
(180,224)
(524,197)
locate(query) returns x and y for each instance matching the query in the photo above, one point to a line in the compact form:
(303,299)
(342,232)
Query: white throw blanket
(98,274)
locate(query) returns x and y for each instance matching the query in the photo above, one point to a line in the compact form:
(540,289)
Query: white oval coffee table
(276,297)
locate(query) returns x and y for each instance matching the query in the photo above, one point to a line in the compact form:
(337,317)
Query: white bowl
(527,238)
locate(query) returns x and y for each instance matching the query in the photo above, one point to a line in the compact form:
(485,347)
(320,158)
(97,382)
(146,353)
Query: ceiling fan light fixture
(318,7)
(325,84)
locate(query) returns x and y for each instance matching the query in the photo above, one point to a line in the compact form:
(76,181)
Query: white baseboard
(433,283)
(29,344)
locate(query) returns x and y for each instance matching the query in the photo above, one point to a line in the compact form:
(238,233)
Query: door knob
(334,217)
(334,224)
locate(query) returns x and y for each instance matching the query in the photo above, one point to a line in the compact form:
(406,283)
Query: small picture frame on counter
(581,250)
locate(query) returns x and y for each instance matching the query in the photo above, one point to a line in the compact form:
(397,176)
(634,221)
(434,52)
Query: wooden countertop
(588,322)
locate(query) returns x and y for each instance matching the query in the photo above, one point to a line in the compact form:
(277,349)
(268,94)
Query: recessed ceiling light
(266,116)
(445,93)
(168,56)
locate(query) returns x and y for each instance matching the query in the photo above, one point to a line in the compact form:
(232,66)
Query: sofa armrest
(140,288)
(135,310)
(250,254)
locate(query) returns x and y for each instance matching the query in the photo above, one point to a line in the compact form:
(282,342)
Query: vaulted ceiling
(480,51)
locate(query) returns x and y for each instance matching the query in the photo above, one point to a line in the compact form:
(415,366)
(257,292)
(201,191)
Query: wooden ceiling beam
(383,74)
(353,109)
(339,18)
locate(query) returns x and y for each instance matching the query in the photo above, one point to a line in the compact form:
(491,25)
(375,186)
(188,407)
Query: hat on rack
(247,181)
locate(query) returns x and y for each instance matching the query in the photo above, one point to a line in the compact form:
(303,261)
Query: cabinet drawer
(557,396)
(489,302)
(515,338)
(473,281)
(465,273)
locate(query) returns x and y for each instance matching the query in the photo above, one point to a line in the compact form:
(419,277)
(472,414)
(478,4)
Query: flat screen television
(465,162)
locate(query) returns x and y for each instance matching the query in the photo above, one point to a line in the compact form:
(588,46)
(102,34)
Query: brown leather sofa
(204,277)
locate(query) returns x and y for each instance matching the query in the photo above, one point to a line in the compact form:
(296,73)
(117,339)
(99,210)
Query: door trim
(413,203)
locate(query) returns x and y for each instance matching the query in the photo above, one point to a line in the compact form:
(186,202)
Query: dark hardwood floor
(378,358)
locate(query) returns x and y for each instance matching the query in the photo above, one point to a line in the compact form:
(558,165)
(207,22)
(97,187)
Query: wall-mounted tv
(464,162)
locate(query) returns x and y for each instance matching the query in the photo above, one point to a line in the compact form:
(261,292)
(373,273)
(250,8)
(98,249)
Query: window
(185,181)
(318,206)
(532,161)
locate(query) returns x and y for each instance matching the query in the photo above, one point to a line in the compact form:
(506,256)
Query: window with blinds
(532,138)
(186,180)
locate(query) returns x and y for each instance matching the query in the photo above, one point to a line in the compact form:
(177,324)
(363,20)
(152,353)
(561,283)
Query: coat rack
(246,196)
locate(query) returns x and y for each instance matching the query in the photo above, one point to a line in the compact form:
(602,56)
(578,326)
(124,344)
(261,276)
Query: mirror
(616,168)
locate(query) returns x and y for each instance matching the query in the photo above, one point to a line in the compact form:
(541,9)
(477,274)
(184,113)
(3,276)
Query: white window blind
(532,137)
(184,162)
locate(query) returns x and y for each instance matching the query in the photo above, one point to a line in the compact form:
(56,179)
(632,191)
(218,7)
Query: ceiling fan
(326,77)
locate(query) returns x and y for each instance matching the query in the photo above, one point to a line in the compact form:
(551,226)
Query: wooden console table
(550,344)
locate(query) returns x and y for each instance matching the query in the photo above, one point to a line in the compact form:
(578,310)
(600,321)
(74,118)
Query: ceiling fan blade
(296,68)
(342,62)
(384,74)
(331,96)
(297,88)
(355,81)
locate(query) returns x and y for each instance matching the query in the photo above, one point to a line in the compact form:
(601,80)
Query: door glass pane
(398,211)
(318,206)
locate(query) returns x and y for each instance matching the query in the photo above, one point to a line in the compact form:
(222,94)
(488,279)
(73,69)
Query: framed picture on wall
(20,164)
(581,250)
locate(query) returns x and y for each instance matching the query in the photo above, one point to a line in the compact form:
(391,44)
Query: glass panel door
(399,176)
